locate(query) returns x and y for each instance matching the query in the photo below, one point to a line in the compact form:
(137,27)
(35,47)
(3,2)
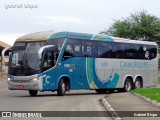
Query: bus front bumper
(21,84)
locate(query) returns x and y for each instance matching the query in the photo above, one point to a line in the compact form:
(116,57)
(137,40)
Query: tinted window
(133,51)
(100,49)
(81,48)
(49,60)
(118,50)
(88,49)
(104,49)
(140,51)
(152,51)
(73,48)
(58,42)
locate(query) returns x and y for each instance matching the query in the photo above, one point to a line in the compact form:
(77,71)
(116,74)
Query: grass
(152,93)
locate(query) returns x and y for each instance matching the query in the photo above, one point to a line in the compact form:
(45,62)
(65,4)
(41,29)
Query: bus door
(74,64)
(79,74)
(74,69)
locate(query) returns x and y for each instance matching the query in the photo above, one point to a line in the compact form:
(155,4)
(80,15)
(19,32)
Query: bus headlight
(39,78)
(35,79)
(9,79)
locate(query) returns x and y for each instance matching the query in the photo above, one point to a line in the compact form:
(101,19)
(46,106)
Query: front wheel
(33,92)
(61,88)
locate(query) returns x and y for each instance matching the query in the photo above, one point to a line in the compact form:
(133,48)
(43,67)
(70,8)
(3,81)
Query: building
(3,61)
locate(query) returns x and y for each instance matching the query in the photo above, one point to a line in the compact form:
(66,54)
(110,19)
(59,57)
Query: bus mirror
(6,51)
(40,51)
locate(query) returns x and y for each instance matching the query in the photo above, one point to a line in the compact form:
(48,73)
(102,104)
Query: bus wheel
(33,92)
(101,91)
(61,88)
(127,85)
(138,83)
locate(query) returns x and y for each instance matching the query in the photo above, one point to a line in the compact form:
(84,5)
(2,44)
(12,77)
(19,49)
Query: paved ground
(82,100)
(74,101)
(130,102)
(3,80)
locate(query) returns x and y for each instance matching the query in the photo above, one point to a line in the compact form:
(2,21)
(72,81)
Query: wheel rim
(128,86)
(63,87)
(137,84)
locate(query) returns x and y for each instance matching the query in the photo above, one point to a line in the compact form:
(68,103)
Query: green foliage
(152,93)
(138,26)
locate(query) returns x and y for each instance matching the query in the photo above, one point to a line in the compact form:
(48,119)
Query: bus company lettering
(134,64)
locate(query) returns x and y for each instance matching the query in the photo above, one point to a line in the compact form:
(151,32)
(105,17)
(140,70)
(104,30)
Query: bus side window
(130,51)
(87,49)
(152,51)
(118,50)
(133,51)
(141,52)
(94,49)
(104,49)
(68,52)
(48,61)
(115,48)
(77,50)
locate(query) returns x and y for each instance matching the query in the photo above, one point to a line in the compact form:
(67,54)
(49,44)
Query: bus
(64,61)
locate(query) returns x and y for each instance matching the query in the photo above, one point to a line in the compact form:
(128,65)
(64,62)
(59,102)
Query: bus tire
(137,83)
(61,88)
(33,92)
(101,91)
(128,85)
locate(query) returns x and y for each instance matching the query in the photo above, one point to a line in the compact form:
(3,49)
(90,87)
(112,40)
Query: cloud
(63,20)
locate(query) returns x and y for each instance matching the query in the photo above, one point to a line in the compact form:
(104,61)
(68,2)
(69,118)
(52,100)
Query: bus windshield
(24,58)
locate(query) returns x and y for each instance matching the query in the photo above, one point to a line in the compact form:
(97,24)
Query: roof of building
(3,44)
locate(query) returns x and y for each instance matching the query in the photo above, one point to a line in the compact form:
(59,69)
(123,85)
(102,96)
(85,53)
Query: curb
(111,111)
(147,99)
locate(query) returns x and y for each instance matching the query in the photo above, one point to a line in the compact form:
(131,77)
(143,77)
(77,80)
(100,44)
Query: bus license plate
(20,86)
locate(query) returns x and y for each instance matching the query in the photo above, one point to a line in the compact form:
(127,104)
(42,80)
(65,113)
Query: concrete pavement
(3,81)
(128,102)
(75,100)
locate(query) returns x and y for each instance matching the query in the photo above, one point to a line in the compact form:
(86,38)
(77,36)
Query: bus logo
(147,55)
(46,80)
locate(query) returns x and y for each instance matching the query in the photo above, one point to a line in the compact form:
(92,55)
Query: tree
(138,26)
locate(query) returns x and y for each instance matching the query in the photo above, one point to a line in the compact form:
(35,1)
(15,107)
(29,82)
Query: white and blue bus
(63,61)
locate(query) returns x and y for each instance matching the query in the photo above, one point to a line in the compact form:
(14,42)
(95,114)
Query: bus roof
(38,36)
(43,36)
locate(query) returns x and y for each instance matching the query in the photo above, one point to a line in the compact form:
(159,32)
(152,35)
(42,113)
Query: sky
(20,17)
